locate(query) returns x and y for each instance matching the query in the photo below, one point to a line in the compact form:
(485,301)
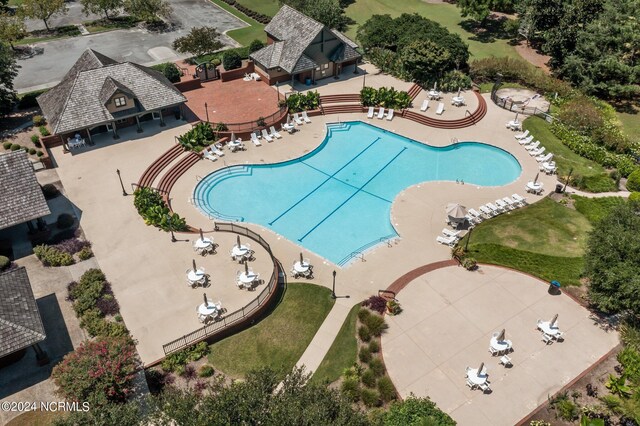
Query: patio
(446,325)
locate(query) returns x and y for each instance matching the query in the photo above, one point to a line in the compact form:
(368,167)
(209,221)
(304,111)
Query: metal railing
(239,315)
(510,105)
(359,253)
(249,126)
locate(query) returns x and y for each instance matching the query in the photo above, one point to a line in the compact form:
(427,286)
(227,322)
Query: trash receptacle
(307,82)
(559,188)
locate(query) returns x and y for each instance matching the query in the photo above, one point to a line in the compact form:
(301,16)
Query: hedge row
(263,19)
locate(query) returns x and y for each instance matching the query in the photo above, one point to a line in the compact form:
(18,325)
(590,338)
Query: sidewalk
(573,191)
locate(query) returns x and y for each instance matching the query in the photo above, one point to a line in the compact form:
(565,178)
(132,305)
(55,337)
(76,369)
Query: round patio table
(457,100)
(434,94)
(475,378)
(534,186)
(203,243)
(208,309)
(247,278)
(301,267)
(239,251)
(499,345)
(547,328)
(195,276)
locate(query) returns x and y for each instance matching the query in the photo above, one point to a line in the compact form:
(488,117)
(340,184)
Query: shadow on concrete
(26,372)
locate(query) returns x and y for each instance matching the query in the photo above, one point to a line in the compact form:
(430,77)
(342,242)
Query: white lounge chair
(522,135)
(475,214)
(510,202)
(390,114)
(440,109)
(518,199)
(488,212)
(274,134)
(425,105)
(266,136)
(305,117)
(532,146)
(494,208)
(501,204)
(209,155)
(255,140)
(217,151)
(371,112)
(526,140)
(545,159)
(381,113)
(297,119)
(451,234)
(446,241)
(537,152)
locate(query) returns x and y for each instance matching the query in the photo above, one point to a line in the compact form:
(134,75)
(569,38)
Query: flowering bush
(376,303)
(72,245)
(98,372)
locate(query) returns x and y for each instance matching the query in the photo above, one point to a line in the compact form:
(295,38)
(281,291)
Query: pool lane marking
(354,194)
(325,181)
(345,183)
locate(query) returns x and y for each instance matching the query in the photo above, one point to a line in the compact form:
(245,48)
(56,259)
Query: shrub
(634,197)
(364,333)
(206,371)
(255,45)
(393,307)
(99,372)
(385,97)
(200,135)
(85,253)
(155,212)
(566,409)
(302,102)
(377,366)
(364,355)
(370,398)
(6,145)
(376,324)
(386,389)
(231,60)
(176,360)
(44,131)
(221,127)
(369,378)
(72,245)
(50,256)
(39,153)
(169,70)
(189,372)
(376,303)
(416,411)
(38,120)
(88,298)
(32,151)
(469,263)
(15,147)
(374,346)
(261,122)
(351,389)
(363,314)
(108,305)
(28,100)
(65,221)
(633,181)
(453,80)
(4,263)
(35,139)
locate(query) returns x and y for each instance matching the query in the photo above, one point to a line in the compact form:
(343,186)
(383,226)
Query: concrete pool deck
(447,321)
(142,263)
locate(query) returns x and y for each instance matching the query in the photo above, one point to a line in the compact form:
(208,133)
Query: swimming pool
(336,200)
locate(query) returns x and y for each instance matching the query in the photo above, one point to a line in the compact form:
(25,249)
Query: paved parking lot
(133,45)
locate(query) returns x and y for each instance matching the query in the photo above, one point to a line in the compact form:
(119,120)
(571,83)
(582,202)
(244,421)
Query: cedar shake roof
(294,32)
(78,100)
(20,322)
(21,198)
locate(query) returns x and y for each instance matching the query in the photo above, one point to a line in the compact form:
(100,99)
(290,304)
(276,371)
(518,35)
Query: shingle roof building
(79,100)
(291,34)
(20,322)
(21,197)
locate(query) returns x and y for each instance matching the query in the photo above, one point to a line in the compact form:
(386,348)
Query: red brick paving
(235,101)
(402,282)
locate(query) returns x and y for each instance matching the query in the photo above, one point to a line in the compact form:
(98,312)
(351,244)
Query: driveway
(133,45)
(74,16)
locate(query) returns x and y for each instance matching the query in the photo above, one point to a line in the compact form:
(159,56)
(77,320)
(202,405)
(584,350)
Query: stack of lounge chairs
(501,205)
(449,238)
(539,153)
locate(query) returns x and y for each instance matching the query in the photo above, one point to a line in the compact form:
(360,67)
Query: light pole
(466,245)
(173,237)
(206,110)
(124,193)
(364,78)
(278,90)
(333,289)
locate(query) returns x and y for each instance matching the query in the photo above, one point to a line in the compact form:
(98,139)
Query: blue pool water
(337,199)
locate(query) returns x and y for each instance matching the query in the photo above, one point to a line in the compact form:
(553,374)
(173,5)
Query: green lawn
(545,239)
(102,25)
(245,35)
(279,340)
(342,353)
(630,124)
(595,209)
(15,2)
(596,178)
(447,15)
(266,7)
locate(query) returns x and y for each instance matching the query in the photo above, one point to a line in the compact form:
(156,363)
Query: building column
(292,80)
(115,130)
(89,136)
(162,123)
(41,356)
(139,129)
(30,226)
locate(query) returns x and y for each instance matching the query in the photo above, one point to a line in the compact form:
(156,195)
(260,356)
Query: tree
(109,8)
(416,411)
(327,12)
(99,371)
(127,414)
(424,60)
(148,10)
(612,261)
(255,45)
(477,9)
(12,28)
(8,71)
(43,9)
(231,60)
(200,41)
(378,31)
(257,400)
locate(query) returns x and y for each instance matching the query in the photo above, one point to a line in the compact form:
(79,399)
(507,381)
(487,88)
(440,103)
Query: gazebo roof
(21,198)
(20,322)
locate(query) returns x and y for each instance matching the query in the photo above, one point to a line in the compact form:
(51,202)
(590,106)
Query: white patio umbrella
(458,91)
(480,368)
(233,137)
(246,268)
(456,212)
(435,85)
(553,321)
(501,336)
(194,265)
(516,119)
(201,235)
(536,178)
(238,241)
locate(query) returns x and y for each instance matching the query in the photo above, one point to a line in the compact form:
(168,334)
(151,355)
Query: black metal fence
(237,316)
(510,105)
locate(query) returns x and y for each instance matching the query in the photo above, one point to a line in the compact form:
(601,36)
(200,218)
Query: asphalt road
(133,45)
(73,16)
